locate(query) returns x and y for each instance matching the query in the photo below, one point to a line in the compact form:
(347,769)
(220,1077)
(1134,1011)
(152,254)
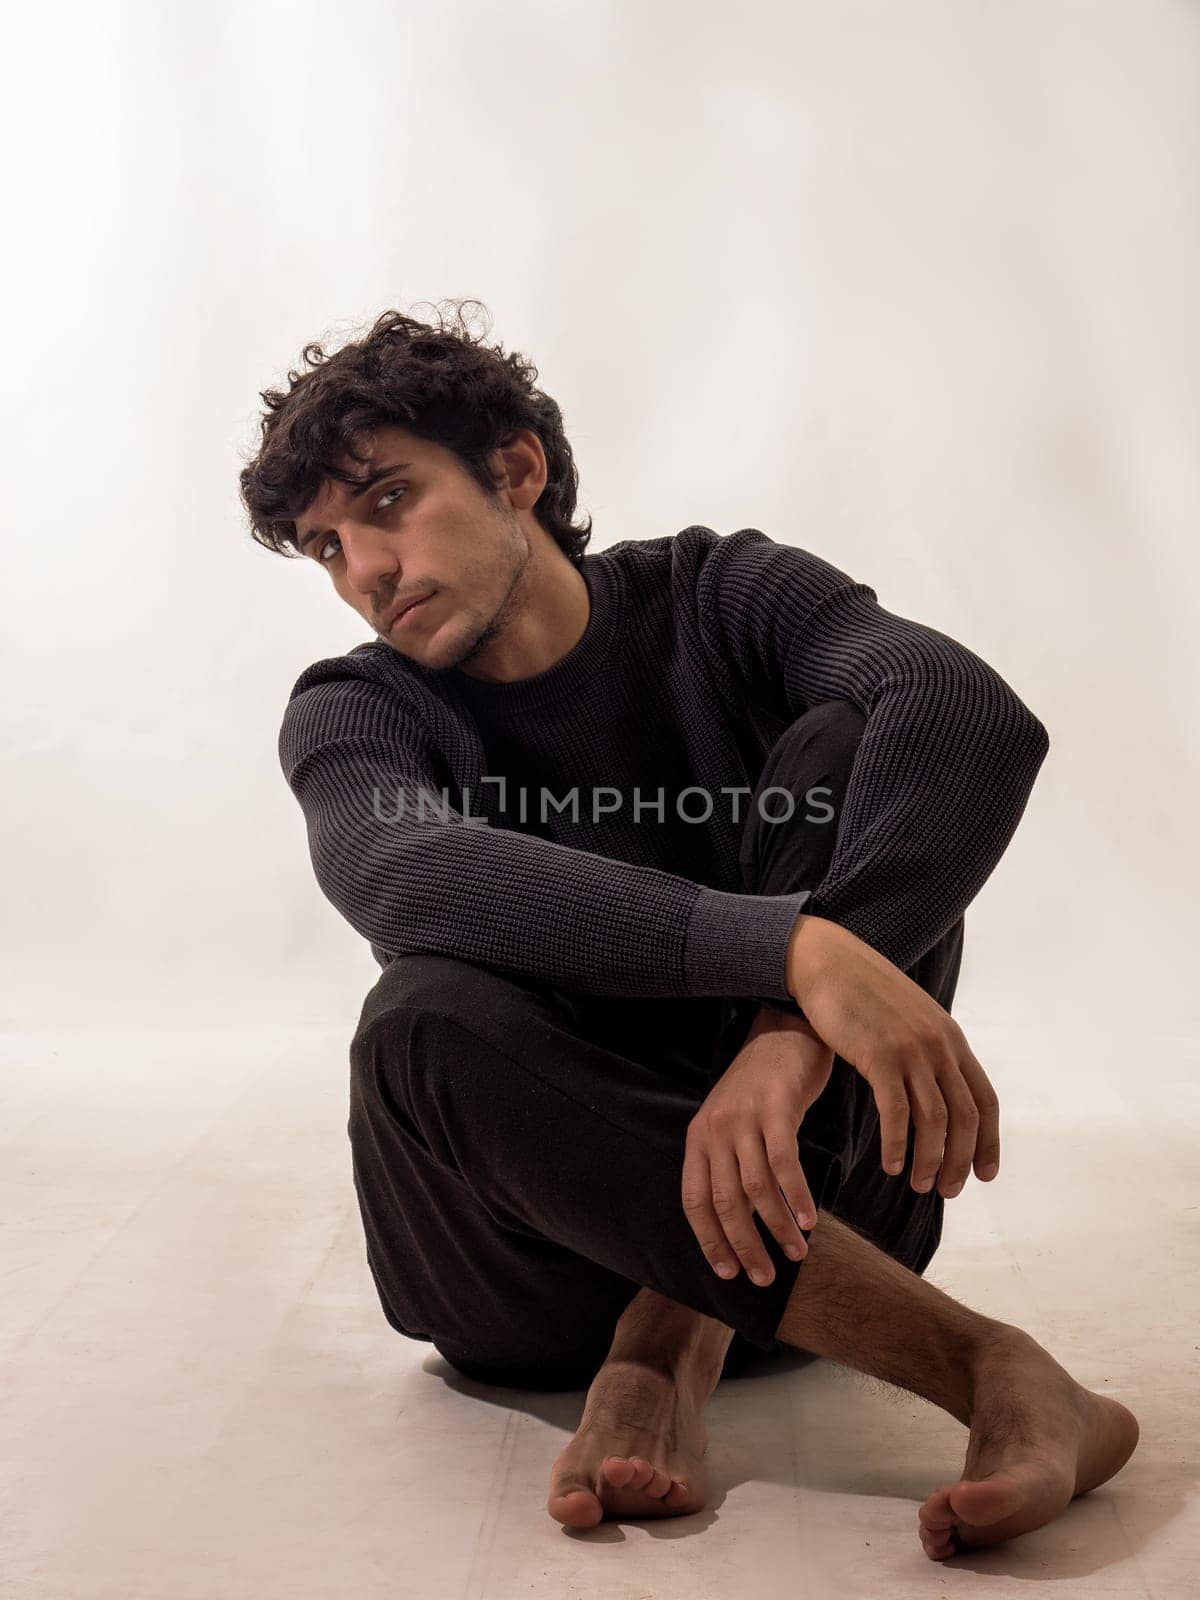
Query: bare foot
(638,1451)
(1038,1439)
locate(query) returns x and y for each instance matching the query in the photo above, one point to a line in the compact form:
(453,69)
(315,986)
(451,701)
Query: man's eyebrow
(364,486)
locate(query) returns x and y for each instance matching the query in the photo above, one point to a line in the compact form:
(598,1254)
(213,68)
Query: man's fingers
(783,1158)
(780,1204)
(962,1133)
(932,1122)
(733,1213)
(698,1209)
(891,1101)
(987,1103)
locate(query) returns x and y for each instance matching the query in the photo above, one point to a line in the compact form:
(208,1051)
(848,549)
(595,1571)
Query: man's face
(424,528)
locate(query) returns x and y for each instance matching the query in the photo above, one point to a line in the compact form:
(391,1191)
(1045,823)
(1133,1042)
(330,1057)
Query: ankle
(670,1338)
(988,1347)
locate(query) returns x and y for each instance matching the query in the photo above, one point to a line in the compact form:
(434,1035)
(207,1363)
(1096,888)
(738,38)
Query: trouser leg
(519,1181)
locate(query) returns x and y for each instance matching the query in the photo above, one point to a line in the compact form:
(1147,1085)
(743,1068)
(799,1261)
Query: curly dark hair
(440,383)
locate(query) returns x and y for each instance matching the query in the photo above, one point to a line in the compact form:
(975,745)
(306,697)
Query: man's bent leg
(518,1181)
(815,756)
(1037,1437)
(839,1142)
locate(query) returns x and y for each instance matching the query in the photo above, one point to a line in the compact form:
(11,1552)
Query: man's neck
(551,618)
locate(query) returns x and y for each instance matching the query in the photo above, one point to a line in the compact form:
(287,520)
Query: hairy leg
(1037,1438)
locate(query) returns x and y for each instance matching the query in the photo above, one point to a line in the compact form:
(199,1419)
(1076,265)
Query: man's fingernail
(725,1270)
(953,1190)
(989,1171)
(792,1251)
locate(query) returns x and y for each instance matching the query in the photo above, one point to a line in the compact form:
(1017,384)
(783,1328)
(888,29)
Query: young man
(664,852)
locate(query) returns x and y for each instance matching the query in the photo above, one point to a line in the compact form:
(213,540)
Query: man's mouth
(409,609)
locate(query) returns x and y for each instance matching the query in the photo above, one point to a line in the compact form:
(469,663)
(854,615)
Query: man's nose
(368,557)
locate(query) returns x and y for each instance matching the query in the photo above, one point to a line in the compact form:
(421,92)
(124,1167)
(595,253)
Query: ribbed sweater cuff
(737,943)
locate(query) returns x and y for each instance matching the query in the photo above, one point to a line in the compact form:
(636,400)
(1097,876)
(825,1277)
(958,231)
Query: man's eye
(399,488)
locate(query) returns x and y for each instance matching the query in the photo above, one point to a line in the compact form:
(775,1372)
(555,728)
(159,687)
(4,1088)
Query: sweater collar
(568,675)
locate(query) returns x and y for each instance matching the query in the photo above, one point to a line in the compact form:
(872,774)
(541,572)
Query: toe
(937,1514)
(620,1471)
(676,1495)
(576,1506)
(650,1479)
(936,1543)
(936,1525)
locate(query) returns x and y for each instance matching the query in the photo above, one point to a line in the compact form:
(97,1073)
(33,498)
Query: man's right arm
(358,760)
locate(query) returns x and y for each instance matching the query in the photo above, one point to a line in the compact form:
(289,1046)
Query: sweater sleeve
(410,871)
(947,758)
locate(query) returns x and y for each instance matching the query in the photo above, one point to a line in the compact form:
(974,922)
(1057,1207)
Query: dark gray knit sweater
(699,650)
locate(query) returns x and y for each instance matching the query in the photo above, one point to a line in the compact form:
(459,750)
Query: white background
(909,286)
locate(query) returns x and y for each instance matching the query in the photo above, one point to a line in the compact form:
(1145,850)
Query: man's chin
(429,657)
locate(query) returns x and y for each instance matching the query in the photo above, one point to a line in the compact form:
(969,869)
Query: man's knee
(825,737)
(429,1016)
(810,762)
(427,983)
(411,989)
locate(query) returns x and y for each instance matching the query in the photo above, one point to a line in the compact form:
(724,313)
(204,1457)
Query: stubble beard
(518,555)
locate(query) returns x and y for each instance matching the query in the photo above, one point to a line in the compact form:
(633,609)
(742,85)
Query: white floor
(201,1397)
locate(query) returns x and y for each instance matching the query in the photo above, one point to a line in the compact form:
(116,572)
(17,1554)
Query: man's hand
(742,1151)
(908,1048)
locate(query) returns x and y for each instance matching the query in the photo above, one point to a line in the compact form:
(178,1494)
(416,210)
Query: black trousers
(518,1149)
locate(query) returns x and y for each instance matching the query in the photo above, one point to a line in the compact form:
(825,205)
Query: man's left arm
(947,759)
